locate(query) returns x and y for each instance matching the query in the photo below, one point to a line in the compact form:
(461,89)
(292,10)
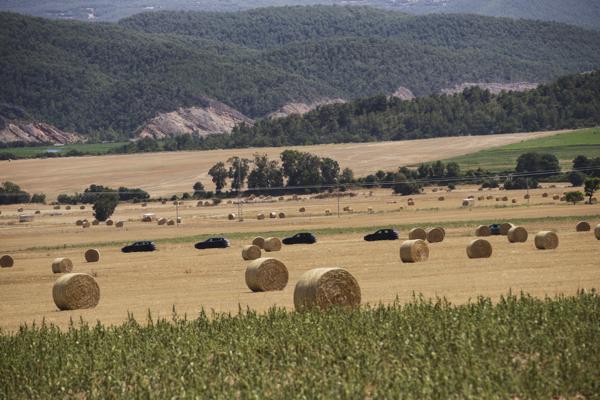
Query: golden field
(167,173)
(179,276)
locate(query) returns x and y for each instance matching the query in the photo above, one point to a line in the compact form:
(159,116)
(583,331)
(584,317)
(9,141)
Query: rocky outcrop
(301,108)
(211,118)
(35,132)
(403,93)
(494,88)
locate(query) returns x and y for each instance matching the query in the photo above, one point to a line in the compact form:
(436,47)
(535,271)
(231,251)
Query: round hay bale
(38,212)
(370,210)
(171,222)
(302,209)
(79,222)
(67,207)
(517,234)
(178,220)
(514,201)
(163,202)
(56,207)
(109,222)
(85,224)
(556,197)
(20,209)
(62,265)
(281,198)
(505,198)
(480,198)
(546,240)
(162,221)
(435,235)
(411,202)
(95,222)
(260,216)
(483,230)
(597,231)
(92,255)
(544,194)
(434,190)
(466,203)
(272,214)
(120,224)
(82,207)
(489,197)
(497,198)
(563,198)
(346,208)
(272,244)
(76,291)
(259,241)
(144,204)
(282,215)
(414,251)
(322,288)
(479,248)
(231,216)
(505,227)
(266,274)
(417,233)
(327,212)
(583,226)
(526,197)
(251,252)
(6,261)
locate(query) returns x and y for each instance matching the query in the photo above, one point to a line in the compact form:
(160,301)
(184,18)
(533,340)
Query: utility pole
(527,180)
(338,201)
(176,212)
(239,186)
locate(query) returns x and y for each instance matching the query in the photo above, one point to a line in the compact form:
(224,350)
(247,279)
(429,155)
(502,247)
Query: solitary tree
(199,190)
(104,205)
(591,185)
(219,174)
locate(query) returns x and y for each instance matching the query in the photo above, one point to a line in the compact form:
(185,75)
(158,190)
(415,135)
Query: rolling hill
(585,13)
(107,80)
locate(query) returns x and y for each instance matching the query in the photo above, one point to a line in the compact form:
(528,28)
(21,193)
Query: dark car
(213,243)
(300,238)
(382,234)
(494,229)
(139,246)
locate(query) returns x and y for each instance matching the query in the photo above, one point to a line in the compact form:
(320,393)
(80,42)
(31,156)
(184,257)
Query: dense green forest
(105,80)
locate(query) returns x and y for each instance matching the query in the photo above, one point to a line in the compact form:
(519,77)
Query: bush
(407,188)
(574,197)
(520,183)
(576,178)
(38,198)
(490,183)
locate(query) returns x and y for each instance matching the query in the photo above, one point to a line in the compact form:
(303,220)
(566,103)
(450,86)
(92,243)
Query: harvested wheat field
(177,171)
(181,276)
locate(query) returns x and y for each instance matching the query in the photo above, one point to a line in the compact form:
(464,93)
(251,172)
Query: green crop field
(520,347)
(92,148)
(566,146)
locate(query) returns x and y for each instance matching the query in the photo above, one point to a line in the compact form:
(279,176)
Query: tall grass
(520,347)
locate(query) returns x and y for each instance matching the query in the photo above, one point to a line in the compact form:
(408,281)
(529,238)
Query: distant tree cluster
(11,193)
(91,194)
(295,172)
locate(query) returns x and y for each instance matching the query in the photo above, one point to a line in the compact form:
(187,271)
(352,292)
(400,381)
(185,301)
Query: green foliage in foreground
(521,347)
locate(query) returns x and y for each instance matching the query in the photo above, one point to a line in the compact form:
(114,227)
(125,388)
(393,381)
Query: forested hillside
(108,79)
(570,102)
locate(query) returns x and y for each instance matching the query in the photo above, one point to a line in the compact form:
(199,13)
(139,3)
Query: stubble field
(181,277)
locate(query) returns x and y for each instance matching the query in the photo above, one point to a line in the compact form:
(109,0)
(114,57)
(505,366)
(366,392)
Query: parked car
(300,238)
(213,243)
(382,234)
(144,245)
(494,229)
